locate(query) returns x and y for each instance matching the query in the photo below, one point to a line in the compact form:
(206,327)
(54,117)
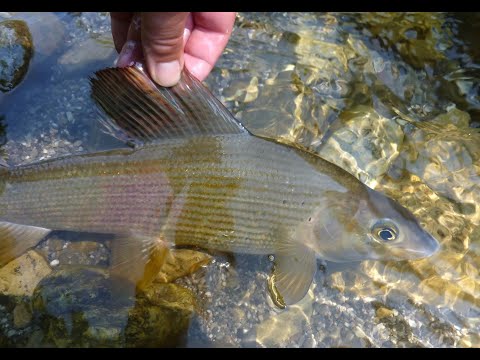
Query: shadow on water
(392,98)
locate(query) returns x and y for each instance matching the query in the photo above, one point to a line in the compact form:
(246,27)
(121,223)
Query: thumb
(162,40)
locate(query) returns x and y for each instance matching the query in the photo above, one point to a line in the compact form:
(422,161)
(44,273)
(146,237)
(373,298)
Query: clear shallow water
(391,98)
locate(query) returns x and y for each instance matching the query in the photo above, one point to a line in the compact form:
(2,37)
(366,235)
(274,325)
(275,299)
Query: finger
(207,41)
(120,23)
(162,40)
(188,28)
(132,48)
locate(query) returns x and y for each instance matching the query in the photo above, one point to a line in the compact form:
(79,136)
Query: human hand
(168,41)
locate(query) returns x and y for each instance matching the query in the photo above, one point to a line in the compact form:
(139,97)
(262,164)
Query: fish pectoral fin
(16,239)
(138,109)
(294,269)
(137,258)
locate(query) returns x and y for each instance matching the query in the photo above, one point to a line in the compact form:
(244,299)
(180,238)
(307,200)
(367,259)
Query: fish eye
(385,231)
(387,234)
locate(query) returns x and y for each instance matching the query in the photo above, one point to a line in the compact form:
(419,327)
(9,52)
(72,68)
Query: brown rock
(22,315)
(21,275)
(161,316)
(182,262)
(383,312)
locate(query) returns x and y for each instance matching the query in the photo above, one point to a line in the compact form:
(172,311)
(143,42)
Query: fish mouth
(431,246)
(427,247)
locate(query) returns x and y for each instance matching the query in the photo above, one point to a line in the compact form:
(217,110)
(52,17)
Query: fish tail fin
(16,239)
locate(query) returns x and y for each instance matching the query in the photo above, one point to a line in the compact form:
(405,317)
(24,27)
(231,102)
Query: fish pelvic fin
(137,258)
(294,268)
(16,239)
(137,109)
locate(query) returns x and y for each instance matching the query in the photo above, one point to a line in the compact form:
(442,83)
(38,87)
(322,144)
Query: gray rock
(16,51)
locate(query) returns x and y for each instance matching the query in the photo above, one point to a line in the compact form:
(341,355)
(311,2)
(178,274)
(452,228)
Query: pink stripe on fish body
(135,203)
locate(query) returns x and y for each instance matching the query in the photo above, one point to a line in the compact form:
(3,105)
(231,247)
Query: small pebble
(54,262)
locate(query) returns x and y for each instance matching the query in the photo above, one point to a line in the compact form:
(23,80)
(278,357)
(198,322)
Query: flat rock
(88,51)
(21,275)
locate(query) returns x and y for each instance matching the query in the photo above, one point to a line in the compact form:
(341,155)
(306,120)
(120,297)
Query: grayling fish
(197,177)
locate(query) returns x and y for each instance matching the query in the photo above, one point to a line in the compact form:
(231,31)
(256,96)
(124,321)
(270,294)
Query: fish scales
(110,194)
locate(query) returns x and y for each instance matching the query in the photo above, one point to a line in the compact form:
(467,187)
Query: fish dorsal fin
(139,109)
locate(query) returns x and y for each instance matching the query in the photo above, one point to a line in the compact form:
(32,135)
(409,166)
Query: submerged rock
(22,315)
(90,50)
(76,308)
(365,144)
(70,250)
(18,280)
(160,317)
(47,30)
(181,262)
(80,307)
(278,329)
(16,52)
(21,275)
(416,37)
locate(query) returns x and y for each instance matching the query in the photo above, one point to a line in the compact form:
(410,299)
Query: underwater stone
(22,315)
(21,275)
(90,50)
(161,317)
(69,251)
(182,262)
(383,312)
(16,51)
(77,307)
(47,30)
(279,328)
(365,145)
(82,307)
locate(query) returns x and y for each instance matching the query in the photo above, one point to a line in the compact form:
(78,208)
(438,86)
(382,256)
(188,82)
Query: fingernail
(166,74)
(125,58)
(186,35)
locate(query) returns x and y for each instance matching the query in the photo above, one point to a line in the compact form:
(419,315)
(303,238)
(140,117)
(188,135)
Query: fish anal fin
(294,268)
(144,111)
(137,258)
(16,239)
